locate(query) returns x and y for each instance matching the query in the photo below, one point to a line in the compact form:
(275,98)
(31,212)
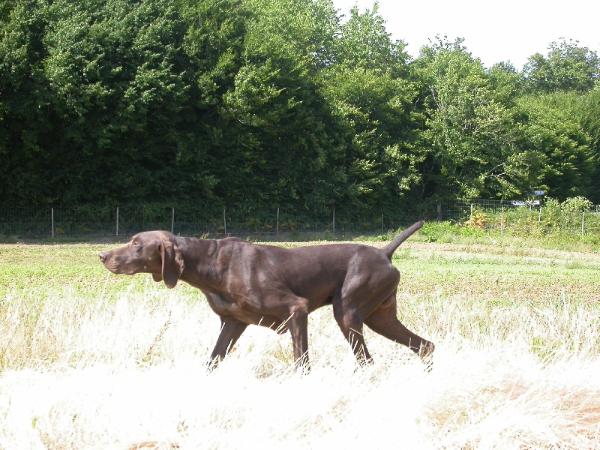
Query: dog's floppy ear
(172,263)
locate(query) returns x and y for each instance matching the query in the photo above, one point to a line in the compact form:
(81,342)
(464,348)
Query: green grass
(482,271)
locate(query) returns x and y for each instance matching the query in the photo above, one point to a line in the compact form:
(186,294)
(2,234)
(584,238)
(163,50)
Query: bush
(448,232)
(576,205)
(478,219)
(563,220)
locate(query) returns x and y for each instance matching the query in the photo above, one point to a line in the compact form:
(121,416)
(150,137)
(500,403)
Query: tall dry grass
(119,370)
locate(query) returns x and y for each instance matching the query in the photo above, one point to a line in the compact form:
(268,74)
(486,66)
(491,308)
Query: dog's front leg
(231,330)
(298,325)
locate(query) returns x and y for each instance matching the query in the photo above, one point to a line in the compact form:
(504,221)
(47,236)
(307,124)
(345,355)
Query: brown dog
(277,287)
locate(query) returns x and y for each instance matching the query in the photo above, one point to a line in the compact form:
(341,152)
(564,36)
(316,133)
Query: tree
(364,42)
(506,83)
(209,145)
(118,83)
(265,102)
(566,67)
(371,97)
(25,113)
(468,129)
(552,132)
(582,111)
(287,150)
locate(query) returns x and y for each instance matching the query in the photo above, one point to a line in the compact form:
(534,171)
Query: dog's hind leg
(384,321)
(351,325)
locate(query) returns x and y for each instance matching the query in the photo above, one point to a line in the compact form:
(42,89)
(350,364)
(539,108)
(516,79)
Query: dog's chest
(238,308)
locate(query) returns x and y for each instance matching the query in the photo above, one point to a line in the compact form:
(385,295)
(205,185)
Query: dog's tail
(392,246)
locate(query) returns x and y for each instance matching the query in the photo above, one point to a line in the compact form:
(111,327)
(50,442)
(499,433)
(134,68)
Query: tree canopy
(269,102)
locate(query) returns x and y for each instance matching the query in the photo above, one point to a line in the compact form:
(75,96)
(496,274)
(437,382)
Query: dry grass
(91,360)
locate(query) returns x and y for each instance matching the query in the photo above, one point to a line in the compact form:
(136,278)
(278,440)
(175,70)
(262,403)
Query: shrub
(477,219)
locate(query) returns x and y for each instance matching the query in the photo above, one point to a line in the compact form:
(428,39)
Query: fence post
(52,220)
(117,228)
(333,220)
(381,222)
(224,221)
(172,219)
(439,211)
(582,223)
(277,224)
(502,221)
(540,215)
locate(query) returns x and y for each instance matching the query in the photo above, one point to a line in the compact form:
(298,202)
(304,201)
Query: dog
(277,287)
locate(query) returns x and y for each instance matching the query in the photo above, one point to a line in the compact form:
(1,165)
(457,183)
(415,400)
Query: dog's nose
(103,256)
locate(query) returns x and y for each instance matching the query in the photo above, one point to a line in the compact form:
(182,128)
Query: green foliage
(278,102)
(571,219)
(449,232)
(566,67)
(564,161)
(576,205)
(372,107)
(469,129)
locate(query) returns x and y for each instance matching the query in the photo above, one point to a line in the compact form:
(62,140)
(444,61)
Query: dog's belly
(228,308)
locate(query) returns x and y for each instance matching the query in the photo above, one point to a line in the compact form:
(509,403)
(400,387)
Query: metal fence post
(172,219)
(75,222)
(333,222)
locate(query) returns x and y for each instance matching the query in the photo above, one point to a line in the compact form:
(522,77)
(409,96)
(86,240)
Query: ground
(89,359)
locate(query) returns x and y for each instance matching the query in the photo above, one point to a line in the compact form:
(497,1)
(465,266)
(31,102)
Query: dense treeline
(269,102)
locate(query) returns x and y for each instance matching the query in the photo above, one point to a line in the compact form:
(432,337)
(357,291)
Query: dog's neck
(202,266)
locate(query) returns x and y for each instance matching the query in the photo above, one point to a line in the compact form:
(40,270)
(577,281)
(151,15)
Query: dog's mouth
(119,271)
(118,268)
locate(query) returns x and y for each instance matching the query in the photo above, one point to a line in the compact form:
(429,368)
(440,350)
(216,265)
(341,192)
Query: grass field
(89,359)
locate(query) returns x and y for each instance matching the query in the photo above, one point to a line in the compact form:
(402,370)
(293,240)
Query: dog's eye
(135,243)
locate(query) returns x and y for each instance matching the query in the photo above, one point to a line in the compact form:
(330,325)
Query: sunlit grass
(94,360)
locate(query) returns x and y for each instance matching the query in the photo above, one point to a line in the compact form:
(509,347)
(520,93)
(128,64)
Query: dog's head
(154,252)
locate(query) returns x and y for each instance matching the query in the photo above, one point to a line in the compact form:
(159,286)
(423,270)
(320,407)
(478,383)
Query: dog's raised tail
(392,246)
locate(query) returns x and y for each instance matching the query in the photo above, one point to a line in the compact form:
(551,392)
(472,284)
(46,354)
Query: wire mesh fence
(286,222)
(526,217)
(126,220)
